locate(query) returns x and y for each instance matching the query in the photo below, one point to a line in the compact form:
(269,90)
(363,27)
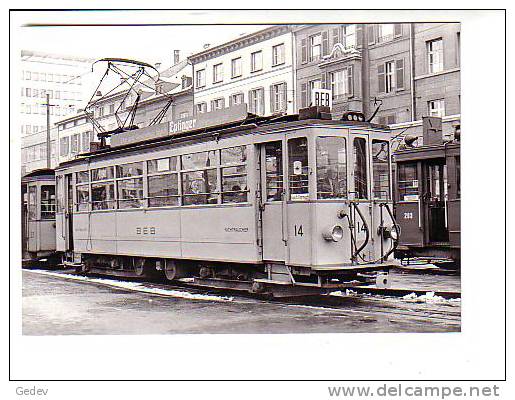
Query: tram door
(273,201)
(68,212)
(435,201)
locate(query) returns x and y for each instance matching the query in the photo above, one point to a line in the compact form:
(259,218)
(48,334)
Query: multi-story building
(75,133)
(63,78)
(406,71)
(256,69)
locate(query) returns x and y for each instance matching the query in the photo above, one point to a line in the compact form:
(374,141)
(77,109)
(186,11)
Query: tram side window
(408,182)
(234,175)
(162,165)
(32,202)
(130,193)
(331,156)
(204,159)
(199,187)
(163,190)
(102,195)
(298,169)
(274,171)
(47,202)
(128,170)
(381,169)
(100,174)
(82,197)
(360,168)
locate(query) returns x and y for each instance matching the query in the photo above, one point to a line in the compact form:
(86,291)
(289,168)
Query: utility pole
(48,150)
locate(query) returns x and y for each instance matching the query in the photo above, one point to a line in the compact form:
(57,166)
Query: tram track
(443,312)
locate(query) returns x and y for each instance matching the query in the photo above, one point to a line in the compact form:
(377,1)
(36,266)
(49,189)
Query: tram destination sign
(166,129)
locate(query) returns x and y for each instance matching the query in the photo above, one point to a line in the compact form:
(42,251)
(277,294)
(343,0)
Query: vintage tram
(285,205)
(428,198)
(38,217)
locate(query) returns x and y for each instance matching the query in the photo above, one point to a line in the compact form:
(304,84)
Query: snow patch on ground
(429,297)
(339,293)
(138,287)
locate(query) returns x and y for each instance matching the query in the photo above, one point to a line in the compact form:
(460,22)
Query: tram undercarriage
(269,279)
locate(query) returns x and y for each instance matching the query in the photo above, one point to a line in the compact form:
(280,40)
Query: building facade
(63,78)
(404,71)
(73,135)
(256,69)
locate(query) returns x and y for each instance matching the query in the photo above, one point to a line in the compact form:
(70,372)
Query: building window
(217,104)
(218,73)
(341,83)
(236,67)
(184,114)
(436,108)
(201,107)
(349,36)
(75,144)
(100,111)
(435,55)
(390,76)
(111,108)
(200,80)
(256,61)
(387,32)
(64,146)
(235,99)
(278,54)
(315,47)
(458,48)
(257,101)
(278,97)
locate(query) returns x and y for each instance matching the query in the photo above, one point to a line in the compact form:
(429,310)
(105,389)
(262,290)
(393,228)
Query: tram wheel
(140,268)
(174,270)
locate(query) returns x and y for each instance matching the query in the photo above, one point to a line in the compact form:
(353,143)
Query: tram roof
(250,123)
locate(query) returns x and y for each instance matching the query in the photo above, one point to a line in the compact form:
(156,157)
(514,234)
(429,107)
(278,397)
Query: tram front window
(381,169)
(274,171)
(360,168)
(331,156)
(47,202)
(298,169)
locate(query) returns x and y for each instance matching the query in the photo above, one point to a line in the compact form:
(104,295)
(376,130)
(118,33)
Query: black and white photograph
(257,195)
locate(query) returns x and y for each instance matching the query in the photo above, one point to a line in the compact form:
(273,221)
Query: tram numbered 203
(288,205)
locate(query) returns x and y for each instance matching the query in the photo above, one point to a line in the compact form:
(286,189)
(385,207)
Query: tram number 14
(298,230)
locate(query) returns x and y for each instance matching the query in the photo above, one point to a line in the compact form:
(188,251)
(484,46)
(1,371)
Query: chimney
(206,46)
(176,57)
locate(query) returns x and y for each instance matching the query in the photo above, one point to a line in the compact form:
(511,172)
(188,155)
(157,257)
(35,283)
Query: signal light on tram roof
(353,116)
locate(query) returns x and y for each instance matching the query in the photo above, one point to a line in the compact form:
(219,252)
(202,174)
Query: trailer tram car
(38,217)
(288,205)
(428,199)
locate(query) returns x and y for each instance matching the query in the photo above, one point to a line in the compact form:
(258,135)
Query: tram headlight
(333,234)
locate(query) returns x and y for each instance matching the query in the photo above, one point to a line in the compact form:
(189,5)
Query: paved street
(53,305)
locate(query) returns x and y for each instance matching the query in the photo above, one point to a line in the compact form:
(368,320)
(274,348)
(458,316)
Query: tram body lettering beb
(304,203)
(38,215)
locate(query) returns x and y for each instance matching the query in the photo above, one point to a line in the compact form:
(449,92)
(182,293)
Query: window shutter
(324,83)
(231,100)
(397,30)
(399,66)
(381,121)
(350,81)
(223,102)
(272,99)
(304,50)
(380,78)
(359,35)
(251,103)
(325,43)
(303,94)
(285,97)
(371,38)
(262,101)
(212,105)
(336,36)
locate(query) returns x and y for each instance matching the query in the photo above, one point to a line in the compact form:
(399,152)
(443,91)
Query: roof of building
(41,54)
(241,42)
